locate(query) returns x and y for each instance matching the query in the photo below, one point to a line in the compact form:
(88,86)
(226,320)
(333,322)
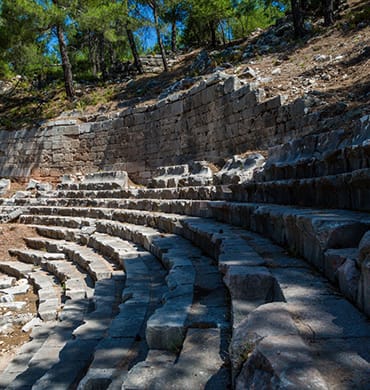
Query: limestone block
(166,328)
(334,259)
(71,130)
(280,362)
(4,186)
(363,298)
(348,277)
(364,246)
(271,319)
(250,283)
(109,177)
(239,169)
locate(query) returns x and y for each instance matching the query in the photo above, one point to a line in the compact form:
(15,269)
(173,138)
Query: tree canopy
(43,39)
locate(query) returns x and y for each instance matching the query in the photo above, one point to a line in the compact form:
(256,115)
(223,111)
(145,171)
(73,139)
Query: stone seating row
(307,232)
(348,190)
(254,278)
(49,295)
(135,296)
(59,337)
(343,191)
(240,216)
(322,154)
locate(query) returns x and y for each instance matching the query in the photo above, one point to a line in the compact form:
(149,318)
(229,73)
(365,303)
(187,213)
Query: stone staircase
(193,287)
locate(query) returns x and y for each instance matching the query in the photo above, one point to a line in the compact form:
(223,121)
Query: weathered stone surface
(6,282)
(271,319)
(349,277)
(334,258)
(364,246)
(250,283)
(363,300)
(61,147)
(4,186)
(167,327)
(239,169)
(280,362)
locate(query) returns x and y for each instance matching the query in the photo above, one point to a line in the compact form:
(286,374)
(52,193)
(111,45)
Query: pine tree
(298,18)
(174,11)
(204,19)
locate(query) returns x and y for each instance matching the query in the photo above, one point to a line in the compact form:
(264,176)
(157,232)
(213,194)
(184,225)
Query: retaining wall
(215,119)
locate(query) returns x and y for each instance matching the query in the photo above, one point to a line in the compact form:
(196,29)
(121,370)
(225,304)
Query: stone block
(281,362)
(363,298)
(271,319)
(250,283)
(364,246)
(4,186)
(349,277)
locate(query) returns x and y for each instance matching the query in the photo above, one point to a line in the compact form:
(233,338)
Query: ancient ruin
(255,275)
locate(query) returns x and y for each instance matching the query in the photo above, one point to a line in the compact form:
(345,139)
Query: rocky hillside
(329,69)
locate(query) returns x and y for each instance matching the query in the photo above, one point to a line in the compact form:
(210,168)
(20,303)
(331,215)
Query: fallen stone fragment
(6,298)
(19,305)
(4,186)
(32,324)
(6,282)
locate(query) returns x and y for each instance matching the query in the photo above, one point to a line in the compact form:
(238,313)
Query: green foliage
(360,15)
(95,31)
(252,14)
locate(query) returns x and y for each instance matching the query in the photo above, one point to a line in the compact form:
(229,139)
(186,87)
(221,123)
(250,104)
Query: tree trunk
(328,8)
(66,64)
(103,64)
(92,53)
(134,51)
(159,39)
(298,18)
(173,36)
(223,35)
(212,28)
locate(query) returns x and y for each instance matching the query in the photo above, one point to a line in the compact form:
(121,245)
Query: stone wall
(215,119)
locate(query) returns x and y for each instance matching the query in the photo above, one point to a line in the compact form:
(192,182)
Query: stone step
(210,311)
(174,253)
(124,328)
(166,327)
(94,264)
(49,302)
(105,180)
(327,334)
(49,298)
(106,298)
(72,362)
(199,365)
(323,154)
(270,283)
(18,374)
(37,356)
(125,340)
(343,191)
(17,269)
(69,276)
(74,223)
(116,249)
(35,257)
(199,174)
(119,344)
(308,232)
(190,193)
(205,306)
(76,329)
(174,206)
(79,236)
